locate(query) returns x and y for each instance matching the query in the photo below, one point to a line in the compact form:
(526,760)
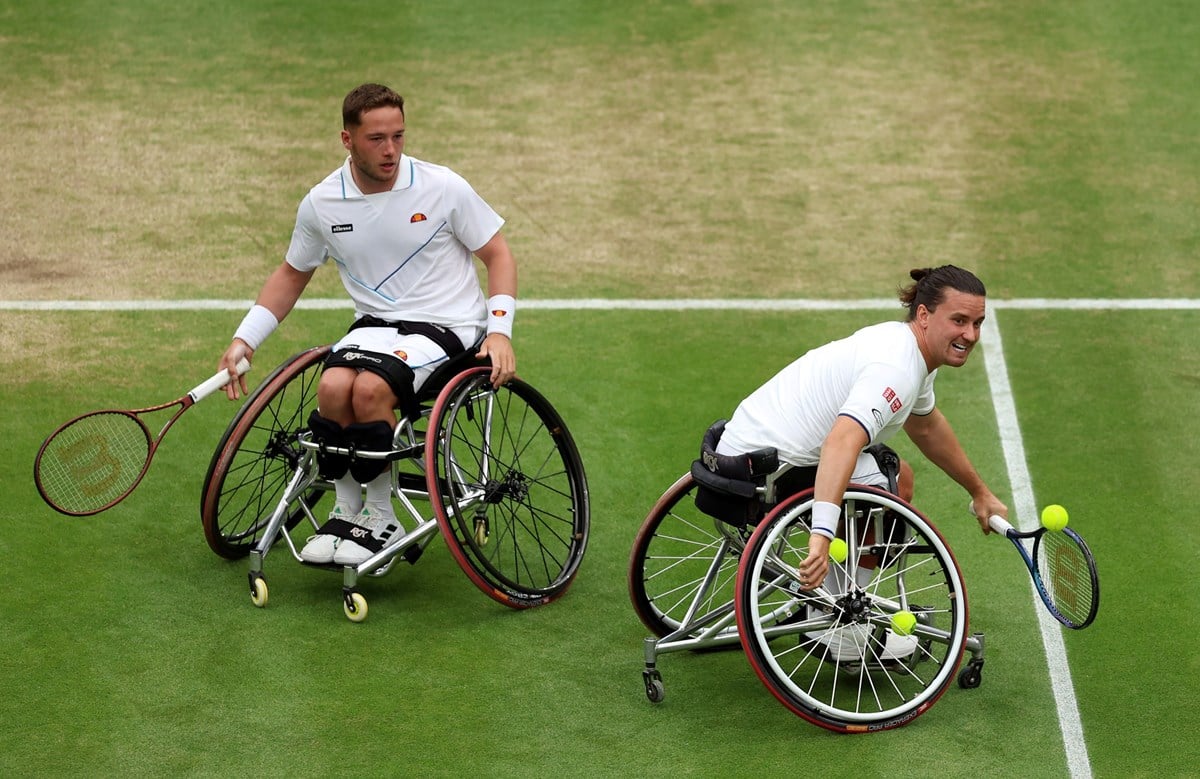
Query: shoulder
(884,332)
(431,170)
(888,349)
(332,187)
(431,175)
(891,342)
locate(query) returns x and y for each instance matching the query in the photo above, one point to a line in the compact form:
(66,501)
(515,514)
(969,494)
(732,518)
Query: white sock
(379,495)
(349,495)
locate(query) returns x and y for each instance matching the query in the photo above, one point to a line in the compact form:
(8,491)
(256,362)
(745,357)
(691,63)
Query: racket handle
(218,380)
(997,523)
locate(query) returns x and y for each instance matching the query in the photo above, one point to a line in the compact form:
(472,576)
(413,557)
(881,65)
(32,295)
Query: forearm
(275,300)
(934,436)
(282,289)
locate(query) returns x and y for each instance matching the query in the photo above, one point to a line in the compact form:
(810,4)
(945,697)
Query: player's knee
(381,382)
(338,381)
(372,397)
(334,393)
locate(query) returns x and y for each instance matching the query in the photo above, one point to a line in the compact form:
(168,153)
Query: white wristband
(825,518)
(258,323)
(500,314)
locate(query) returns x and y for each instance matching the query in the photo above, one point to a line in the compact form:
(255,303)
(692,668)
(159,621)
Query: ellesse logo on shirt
(342,228)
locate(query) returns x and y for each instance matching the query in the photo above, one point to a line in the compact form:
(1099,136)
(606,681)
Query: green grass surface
(638,150)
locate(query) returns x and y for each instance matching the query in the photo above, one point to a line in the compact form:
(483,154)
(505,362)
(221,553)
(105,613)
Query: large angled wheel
(683,561)
(508,488)
(257,456)
(846,661)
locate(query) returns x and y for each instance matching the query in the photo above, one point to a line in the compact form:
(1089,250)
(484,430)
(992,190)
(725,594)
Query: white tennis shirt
(405,254)
(876,376)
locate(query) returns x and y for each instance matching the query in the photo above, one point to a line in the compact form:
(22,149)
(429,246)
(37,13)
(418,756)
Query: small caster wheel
(654,686)
(355,606)
(970,677)
(258,591)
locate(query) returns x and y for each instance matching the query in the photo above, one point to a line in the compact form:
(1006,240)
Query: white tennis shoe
(321,548)
(370,523)
(848,644)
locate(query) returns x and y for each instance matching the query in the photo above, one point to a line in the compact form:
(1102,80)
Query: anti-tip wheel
(654,686)
(355,606)
(258,591)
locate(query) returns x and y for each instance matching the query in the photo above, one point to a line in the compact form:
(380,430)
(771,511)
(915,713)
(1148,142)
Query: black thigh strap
(446,340)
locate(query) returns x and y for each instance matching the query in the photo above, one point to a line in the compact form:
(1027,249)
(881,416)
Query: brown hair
(929,287)
(368,97)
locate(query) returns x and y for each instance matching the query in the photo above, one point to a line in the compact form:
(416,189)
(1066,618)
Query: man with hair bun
(824,410)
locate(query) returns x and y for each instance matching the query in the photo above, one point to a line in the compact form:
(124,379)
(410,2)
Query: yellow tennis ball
(903,622)
(837,550)
(1054,517)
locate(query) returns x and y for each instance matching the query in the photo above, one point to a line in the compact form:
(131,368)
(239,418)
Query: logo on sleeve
(417,217)
(342,228)
(894,401)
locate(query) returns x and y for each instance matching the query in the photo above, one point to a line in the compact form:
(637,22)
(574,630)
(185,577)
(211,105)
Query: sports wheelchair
(830,655)
(498,468)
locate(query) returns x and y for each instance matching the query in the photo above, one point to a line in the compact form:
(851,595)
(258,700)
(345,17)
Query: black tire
(672,553)
(257,456)
(507,486)
(871,684)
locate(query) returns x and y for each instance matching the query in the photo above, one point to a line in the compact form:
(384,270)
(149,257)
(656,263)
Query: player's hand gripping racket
(94,461)
(1062,568)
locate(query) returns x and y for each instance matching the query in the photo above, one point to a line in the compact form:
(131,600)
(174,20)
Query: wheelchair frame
(699,583)
(499,469)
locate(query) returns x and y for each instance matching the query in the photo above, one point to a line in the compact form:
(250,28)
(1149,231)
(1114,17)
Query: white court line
(1026,513)
(1085,304)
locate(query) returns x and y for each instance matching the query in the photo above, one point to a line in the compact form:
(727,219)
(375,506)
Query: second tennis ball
(903,622)
(1054,517)
(837,550)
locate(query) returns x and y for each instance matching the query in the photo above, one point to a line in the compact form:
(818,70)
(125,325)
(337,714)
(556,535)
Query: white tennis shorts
(420,353)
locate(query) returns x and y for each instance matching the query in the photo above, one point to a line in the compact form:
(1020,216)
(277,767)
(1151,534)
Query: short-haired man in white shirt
(825,408)
(402,233)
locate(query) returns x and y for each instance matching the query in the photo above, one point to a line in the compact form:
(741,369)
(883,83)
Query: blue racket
(1062,568)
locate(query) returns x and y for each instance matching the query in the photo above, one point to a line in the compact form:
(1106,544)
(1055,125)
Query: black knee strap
(330,433)
(389,367)
(371,437)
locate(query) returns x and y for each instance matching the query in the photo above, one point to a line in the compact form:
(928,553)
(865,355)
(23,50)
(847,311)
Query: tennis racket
(1062,568)
(94,461)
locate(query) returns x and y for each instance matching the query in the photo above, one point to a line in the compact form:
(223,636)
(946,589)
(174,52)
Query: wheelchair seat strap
(447,341)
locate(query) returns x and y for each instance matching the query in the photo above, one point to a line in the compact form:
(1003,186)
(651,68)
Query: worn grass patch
(695,150)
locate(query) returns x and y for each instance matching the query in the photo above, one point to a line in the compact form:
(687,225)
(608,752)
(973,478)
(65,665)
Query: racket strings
(93,462)
(1067,576)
